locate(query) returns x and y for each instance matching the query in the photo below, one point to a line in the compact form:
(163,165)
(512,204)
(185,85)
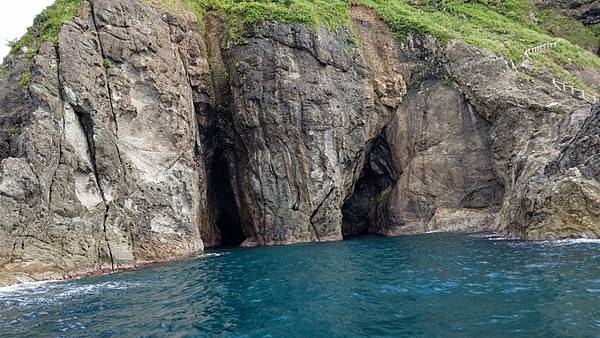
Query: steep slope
(149,130)
(103,172)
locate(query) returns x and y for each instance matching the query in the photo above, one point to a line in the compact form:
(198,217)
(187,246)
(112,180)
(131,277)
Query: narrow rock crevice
(109,92)
(62,131)
(375,180)
(225,227)
(86,123)
(226,218)
(110,255)
(316,212)
(115,132)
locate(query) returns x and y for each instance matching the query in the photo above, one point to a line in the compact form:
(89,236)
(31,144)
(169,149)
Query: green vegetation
(106,63)
(502,26)
(46,26)
(505,26)
(25,79)
(569,29)
(313,13)
(596,30)
(14,131)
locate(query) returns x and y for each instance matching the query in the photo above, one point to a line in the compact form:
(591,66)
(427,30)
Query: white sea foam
(214,254)
(498,237)
(56,291)
(492,236)
(433,232)
(572,241)
(25,287)
(96,288)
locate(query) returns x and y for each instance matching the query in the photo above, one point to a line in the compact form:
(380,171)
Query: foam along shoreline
(102,272)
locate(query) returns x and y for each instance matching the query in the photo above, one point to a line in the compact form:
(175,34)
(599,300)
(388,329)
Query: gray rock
(305,108)
(542,141)
(142,138)
(586,11)
(108,131)
(441,152)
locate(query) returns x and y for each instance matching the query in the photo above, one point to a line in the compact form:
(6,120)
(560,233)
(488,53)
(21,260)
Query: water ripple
(430,285)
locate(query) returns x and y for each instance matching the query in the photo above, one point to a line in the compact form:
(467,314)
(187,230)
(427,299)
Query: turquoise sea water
(422,286)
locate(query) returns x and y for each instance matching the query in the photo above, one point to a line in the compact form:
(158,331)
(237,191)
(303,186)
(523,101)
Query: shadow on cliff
(373,184)
(227,229)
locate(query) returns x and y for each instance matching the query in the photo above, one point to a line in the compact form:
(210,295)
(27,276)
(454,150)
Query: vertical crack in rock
(109,91)
(86,124)
(62,134)
(316,212)
(112,261)
(116,133)
(225,227)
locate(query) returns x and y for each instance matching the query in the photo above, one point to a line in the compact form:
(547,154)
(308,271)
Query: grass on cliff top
(46,26)
(501,26)
(576,32)
(505,26)
(312,13)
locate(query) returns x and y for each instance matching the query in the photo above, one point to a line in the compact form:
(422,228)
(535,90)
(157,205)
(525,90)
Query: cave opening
(227,222)
(377,178)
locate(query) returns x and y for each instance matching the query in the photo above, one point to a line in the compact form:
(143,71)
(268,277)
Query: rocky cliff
(144,134)
(586,11)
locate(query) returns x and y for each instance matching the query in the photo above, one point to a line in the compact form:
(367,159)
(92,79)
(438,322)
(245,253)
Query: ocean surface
(433,285)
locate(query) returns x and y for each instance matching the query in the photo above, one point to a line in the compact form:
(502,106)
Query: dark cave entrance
(359,212)
(226,219)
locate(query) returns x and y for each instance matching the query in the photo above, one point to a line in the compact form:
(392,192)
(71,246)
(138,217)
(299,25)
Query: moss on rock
(46,26)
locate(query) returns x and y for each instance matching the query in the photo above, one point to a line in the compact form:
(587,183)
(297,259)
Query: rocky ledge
(142,138)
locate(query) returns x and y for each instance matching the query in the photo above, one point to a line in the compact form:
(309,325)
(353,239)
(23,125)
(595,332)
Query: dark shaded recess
(227,217)
(376,179)
(86,123)
(590,17)
(10,129)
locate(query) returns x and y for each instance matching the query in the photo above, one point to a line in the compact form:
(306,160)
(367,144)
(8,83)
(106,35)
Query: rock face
(142,138)
(586,11)
(306,106)
(533,136)
(442,154)
(102,170)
